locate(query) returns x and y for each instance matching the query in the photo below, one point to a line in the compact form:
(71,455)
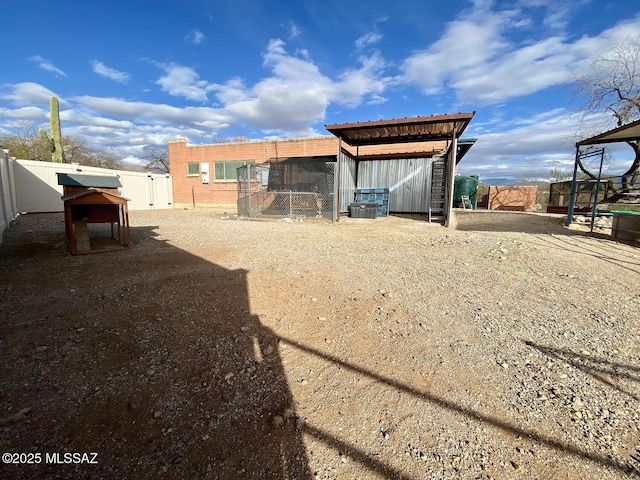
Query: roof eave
(454,125)
(625,133)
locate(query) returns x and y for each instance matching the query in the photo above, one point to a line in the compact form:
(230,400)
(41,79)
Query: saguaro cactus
(54,142)
(57,154)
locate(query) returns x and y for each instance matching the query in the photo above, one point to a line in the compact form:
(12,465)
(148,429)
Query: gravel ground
(505,347)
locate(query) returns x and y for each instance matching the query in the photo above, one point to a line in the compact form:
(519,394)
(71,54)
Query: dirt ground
(507,346)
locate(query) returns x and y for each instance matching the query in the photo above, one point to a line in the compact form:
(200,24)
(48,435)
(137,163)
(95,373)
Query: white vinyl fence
(8,205)
(31,186)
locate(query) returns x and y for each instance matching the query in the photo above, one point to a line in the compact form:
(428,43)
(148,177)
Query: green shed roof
(98,181)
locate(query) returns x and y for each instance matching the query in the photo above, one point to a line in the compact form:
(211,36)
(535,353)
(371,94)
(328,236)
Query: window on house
(193,168)
(226,171)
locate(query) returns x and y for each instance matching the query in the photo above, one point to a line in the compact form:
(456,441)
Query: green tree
(27,144)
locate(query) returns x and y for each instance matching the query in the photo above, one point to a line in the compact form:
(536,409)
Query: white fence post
(8,207)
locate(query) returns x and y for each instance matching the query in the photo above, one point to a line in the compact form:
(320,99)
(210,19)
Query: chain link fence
(287,189)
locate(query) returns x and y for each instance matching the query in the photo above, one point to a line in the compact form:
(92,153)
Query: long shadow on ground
(149,358)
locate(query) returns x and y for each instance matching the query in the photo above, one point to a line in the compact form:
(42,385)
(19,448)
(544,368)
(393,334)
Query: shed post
(450,177)
(336,183)
(68,227)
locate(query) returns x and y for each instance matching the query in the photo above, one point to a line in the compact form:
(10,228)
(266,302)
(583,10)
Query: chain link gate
(287,189)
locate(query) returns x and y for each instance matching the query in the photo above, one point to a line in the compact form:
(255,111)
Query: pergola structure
(625,133)
(425,150)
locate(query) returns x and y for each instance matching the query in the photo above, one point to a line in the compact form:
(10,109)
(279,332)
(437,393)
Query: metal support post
(572,197)
(595,199)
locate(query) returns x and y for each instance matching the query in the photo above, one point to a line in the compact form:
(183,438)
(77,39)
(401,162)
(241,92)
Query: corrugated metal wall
(408,181)
(347,181)
(37,189)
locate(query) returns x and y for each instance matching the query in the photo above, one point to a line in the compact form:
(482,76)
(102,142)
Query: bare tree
(27,144)
(157,160)
(557,175)
(105,159)
(612,86)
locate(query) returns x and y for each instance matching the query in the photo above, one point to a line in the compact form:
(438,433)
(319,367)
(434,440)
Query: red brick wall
(223,194)
(513,198)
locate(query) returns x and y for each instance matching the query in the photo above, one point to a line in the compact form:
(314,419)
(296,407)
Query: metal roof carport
(436,136)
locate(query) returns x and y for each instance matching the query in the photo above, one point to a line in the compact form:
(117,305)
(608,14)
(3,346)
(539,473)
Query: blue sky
(133,74)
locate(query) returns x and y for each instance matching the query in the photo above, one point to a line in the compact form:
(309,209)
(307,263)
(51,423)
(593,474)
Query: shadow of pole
(561,241)
(458,409)
(600,255)
(594,366)
(355,453)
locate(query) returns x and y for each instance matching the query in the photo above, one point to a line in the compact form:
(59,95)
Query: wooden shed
(93,199)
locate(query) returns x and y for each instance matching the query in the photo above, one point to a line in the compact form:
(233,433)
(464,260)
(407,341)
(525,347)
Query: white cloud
(181,81)
(123,127)
(195,37)
(47,65)
(292,99)
(483,64)
(29,93)
(294,31)
(107,72)
(25,114)
(367,39)
(232,91)
(355,84)
(297,94)
(161,114)
(377,100)
(464,45)
(531,146)
(518,73)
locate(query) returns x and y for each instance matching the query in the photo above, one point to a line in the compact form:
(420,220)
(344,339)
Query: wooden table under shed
(94,199)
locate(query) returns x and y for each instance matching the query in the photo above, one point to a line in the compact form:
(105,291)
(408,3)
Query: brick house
(416,158)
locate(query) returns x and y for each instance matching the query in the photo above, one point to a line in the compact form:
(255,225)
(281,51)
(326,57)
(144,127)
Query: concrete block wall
(81,236)
(520,198)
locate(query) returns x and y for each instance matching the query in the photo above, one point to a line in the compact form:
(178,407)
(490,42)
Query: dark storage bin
(626,225)
(380,196)
(363,210)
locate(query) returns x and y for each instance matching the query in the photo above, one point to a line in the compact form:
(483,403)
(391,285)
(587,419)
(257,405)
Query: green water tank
(465,186)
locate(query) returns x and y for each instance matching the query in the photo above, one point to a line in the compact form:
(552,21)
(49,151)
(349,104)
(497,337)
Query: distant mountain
(499,181)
